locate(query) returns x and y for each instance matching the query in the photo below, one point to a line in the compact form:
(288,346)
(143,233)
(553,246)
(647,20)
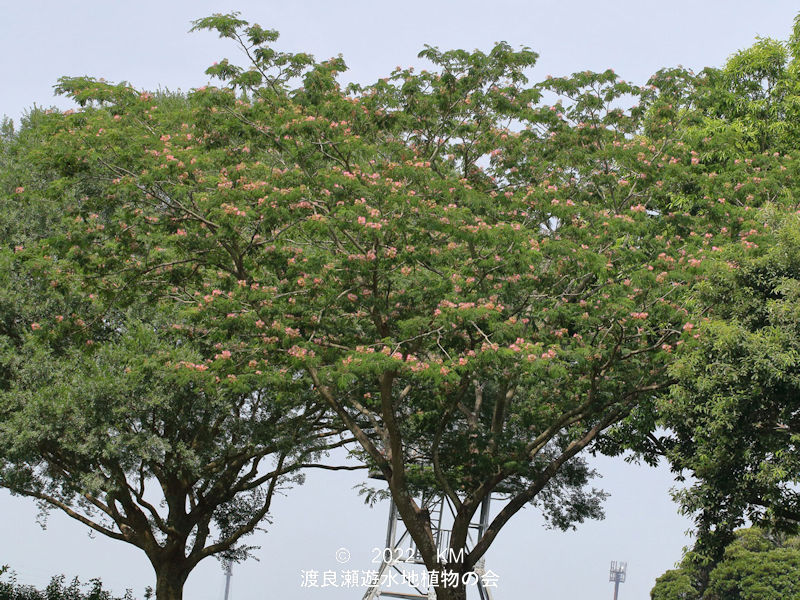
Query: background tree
(756,566)
(751,103)
(728,418)
(22,223)
(174,463)
(114,415)
(733,415)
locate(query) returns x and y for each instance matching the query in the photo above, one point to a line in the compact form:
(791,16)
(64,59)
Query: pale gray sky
(146,43)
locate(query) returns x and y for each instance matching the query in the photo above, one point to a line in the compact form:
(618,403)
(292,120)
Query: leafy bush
(758,565)
(57,589)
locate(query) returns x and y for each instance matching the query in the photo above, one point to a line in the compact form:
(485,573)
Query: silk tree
(477,284)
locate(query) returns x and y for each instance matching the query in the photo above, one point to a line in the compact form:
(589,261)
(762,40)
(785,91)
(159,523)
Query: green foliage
(57,589)
(675,585)
(109,413)
(268,66)
(731,418)
(751,104)
(733,414)
(477,284)
(755,566)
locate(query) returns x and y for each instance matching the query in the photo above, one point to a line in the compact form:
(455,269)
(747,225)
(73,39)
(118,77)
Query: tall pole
(483,591)
(617,575)
(229,573)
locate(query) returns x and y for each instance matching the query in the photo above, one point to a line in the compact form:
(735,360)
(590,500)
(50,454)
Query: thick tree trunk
(449,592)
(452,582)
(169,583)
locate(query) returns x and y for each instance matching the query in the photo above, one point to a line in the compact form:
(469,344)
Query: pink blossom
(299,352)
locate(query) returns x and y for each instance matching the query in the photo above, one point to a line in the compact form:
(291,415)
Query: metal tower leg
(401,552)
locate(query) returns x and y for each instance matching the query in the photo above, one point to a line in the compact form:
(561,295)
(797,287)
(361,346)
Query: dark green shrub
(57,589)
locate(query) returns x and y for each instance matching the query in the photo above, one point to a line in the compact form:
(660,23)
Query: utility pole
(617,575)
(228,573)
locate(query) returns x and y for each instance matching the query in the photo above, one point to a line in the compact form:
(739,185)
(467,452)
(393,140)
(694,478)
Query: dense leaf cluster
(755,566)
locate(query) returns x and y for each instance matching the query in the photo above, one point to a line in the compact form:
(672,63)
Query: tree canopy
(478,278)
(755,566)
(733,415)
(109,412)
(476,283)
(731,418)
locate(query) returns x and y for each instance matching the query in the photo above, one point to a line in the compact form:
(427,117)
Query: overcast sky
(146,43)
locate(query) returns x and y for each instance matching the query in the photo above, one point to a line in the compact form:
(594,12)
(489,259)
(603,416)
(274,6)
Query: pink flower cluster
(191,365)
